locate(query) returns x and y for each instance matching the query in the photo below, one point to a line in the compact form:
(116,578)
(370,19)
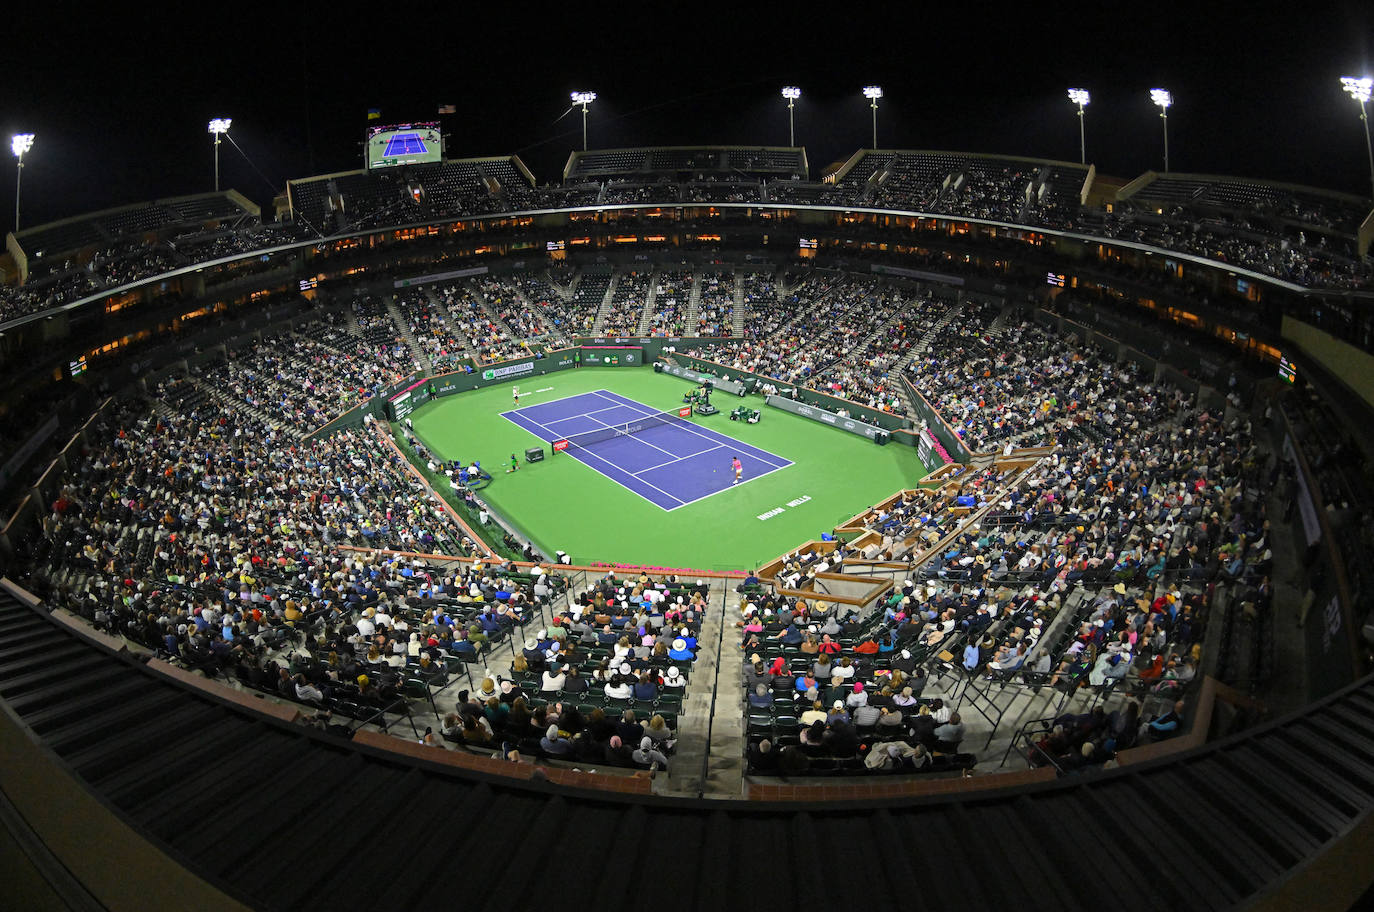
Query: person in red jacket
(866,646)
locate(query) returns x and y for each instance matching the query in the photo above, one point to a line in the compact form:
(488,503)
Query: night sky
(120,104)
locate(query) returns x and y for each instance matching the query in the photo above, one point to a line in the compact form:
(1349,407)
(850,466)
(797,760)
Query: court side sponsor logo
(771,513)
(510,370)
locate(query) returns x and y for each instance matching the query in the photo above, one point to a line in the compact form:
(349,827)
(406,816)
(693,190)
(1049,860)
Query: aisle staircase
(408,337)
(689,319)
(737,324)
(235,404)
(604,310)
(646,318)
(922,346)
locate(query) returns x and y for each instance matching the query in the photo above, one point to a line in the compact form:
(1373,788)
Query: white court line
(693,429)
(507,416)
(584,415)
(679,459)
(629,436)
(609,408)
(686,425)
(542,404)
(618,468)
(549,428)
(688,503)
(681,502)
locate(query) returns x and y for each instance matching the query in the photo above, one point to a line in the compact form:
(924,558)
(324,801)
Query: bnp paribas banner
(508,370)
(422,391)
(514,370)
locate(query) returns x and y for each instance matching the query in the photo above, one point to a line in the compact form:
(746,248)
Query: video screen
(404,144)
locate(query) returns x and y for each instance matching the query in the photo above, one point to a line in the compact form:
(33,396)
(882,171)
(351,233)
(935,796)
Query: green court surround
(561,504)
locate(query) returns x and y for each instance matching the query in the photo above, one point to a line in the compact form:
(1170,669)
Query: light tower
(19,143)
(1081,98)
(791,93)
(873,93)
(218,127)
(584,99)
(1162,98)
(1359,89)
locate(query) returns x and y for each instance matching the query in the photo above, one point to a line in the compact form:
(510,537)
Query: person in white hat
(618,687)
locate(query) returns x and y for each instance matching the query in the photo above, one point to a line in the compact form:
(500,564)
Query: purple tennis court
(671,464)
(404,144)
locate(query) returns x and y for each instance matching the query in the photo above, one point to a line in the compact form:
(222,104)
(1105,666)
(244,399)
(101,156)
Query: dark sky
(120,104)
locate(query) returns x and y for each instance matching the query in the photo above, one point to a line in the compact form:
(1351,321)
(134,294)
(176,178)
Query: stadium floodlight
(218,127)
(1081,98)
(1359,88)
(873,93)
(584,99)
(791,93)
(20,143)
(1162,98)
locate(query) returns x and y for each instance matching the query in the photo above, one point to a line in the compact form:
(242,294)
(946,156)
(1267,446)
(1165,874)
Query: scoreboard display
(1287,370)
(404,144)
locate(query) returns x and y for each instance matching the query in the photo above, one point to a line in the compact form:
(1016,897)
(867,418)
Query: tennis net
(628,429)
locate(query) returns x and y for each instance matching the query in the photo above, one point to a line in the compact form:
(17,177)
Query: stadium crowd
(1297,237)
(1090,571)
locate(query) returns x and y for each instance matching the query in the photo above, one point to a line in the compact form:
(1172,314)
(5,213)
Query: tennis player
(738,467)
(515,394)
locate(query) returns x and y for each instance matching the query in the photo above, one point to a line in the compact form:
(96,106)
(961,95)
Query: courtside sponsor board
(826,417)
(508,370)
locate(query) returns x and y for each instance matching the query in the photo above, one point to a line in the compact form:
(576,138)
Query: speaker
(534,454)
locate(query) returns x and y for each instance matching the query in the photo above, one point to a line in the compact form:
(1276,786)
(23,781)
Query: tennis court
(404,144)
(560,503)
(667,460)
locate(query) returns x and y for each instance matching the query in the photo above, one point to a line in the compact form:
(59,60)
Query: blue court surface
(670,465)
(404,144)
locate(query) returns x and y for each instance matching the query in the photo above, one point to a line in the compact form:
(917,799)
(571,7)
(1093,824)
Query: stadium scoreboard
(1287,370)
(404,144)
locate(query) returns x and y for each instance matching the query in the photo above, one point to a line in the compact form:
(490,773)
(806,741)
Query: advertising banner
(816,413)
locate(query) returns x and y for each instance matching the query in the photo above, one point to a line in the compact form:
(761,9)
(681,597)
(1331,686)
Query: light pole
(19,143)
(873,93)
(584,99)
(218,127)
(1162,98)
(791,93)
(1081,97)
(1359,89)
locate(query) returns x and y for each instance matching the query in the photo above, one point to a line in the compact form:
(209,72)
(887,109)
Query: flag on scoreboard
(374,113)
(448,109)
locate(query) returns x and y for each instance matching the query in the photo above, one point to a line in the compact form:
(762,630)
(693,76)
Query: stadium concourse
(241,555)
